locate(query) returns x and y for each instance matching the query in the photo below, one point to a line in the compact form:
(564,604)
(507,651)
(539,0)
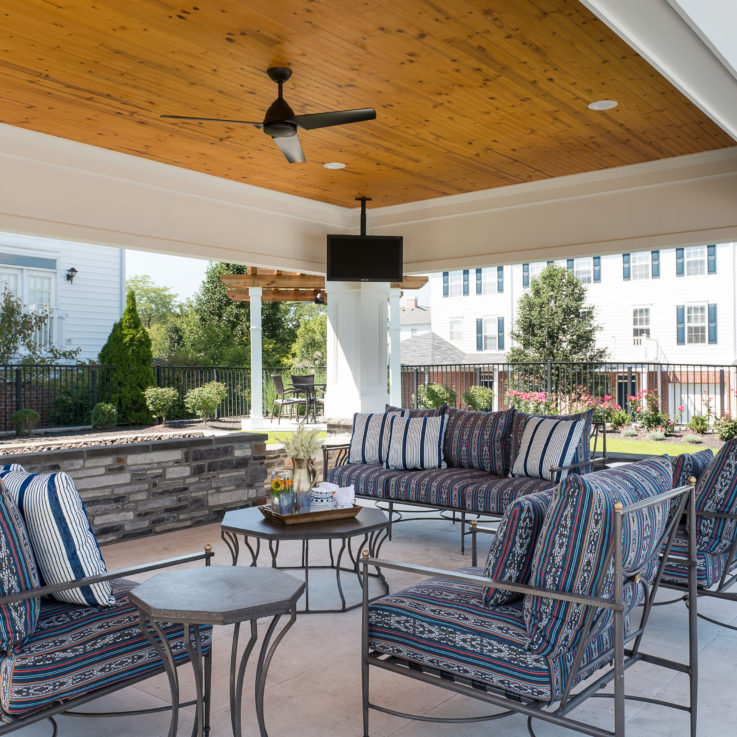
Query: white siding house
(83,310)
(672,305)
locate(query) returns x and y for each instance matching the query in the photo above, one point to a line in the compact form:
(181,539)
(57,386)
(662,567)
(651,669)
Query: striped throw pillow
(370,438)
(62,539)
(416,442)
(19,573)
(547,443)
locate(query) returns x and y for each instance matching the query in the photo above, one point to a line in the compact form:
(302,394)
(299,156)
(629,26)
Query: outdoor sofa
(68,633)
(552,617)
(479,452)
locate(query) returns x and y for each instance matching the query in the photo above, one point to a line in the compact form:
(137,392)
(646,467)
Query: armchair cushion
(18,573)
(716,491)
(416,442)
(478,440)
(445,625)
(570,555)
(63,542)
(687,465)
(547,442)
(709,566)
(513,546)
(370,437)
(77,649)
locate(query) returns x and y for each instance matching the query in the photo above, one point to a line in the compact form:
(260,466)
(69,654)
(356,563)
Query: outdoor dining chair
(314,393)
(285,398)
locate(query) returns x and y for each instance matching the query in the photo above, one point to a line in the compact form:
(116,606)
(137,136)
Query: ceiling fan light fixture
(602,105)
(334,165)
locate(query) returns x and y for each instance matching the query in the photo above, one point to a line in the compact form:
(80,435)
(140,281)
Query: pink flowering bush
(535,403)
(650,417)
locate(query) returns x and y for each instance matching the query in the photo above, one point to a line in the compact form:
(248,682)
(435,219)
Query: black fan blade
(214,120)
(291,148)
(339,117)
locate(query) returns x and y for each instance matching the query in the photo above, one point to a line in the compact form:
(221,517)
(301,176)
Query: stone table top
(216,594)
(250,521)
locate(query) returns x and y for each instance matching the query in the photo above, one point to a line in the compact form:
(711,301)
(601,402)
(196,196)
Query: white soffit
(685,49)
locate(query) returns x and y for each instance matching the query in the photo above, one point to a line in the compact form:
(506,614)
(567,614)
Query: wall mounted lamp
(71,273)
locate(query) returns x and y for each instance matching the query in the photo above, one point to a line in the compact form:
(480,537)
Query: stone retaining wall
(141,488)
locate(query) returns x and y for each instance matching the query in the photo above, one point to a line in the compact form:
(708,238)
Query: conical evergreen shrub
(128,348)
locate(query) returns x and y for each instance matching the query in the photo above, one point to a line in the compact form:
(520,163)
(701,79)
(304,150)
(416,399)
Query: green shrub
(692,439)
(204,400)
(160,400)
(726,428)
(657,436)
(104,415)
(430,396)
(479,398)
(619,419)
(699,424)
(24,420)
(128,349)
(629,432)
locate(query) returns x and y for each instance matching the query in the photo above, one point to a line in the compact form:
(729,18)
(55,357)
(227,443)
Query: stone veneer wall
(141,488)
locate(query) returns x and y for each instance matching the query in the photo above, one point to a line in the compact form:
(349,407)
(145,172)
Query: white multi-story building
(673,305)
(81,285)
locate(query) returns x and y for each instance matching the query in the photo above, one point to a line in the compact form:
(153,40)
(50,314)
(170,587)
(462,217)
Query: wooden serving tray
(304,517)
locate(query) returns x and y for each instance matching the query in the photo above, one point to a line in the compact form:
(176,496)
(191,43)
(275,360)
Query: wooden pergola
(291,286)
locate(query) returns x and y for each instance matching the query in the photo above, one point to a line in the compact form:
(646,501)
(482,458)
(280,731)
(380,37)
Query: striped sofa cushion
(709,566)
(370,437)
(445,625)
(62,539)
(547,442)
(716,491)
(583,450)
(416,442)
(478,440)
(687,465)
(570,555)
(494,495)
(513,546)
(367,480)
(76,650)
(437,487)
(18,573)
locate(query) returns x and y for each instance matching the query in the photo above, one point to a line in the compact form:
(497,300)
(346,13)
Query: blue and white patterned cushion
(687,465)
(63,542)
(570,554)
(18,573)
(716,491)
(368,479)
(513,547)
(416,442)
(547,442)
(709,566)
(478,440)
(370,438)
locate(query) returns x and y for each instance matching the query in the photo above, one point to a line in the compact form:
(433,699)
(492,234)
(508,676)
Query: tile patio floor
(314,686)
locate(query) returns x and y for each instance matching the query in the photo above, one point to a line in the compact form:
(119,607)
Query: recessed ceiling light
(602,105)
(334,165)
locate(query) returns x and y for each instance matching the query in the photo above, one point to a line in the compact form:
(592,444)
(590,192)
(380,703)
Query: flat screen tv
(364,258)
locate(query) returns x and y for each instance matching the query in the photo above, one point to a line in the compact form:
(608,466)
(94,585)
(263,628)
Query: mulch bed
(89,438)
(708,440)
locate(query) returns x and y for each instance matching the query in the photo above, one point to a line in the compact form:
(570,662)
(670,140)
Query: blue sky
(182,275)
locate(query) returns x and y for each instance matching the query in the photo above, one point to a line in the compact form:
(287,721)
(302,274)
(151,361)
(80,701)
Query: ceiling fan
(281,123)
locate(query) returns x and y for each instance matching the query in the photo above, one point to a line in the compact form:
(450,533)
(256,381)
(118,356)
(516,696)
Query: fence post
(630,391)
(721,392)
(549,381)
(159,376)
(417,386)
(94,386)
(18,386)
(497,390)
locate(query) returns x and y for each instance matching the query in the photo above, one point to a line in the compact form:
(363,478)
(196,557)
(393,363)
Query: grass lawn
(649,447)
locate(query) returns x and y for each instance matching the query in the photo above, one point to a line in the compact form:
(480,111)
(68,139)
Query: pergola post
(357,348)
(395,354)
(257,409)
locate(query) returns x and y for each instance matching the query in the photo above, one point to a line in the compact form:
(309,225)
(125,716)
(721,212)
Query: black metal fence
(681,390)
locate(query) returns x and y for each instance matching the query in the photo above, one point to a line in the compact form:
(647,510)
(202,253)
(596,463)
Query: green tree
(19,331)
(155,304)
(128,348)
(311,345)
(554,322)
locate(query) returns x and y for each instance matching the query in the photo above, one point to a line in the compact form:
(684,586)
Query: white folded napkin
(345,497)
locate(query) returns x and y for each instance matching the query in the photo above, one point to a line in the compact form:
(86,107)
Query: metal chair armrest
(205,555)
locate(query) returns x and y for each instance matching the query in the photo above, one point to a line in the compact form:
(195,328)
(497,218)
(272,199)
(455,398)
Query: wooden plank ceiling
(469,94)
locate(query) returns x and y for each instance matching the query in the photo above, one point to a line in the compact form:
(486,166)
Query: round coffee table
(370,525)
(216,595)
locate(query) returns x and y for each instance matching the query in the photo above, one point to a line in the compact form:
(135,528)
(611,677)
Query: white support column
(357,348)
(395,354)
(257,409)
